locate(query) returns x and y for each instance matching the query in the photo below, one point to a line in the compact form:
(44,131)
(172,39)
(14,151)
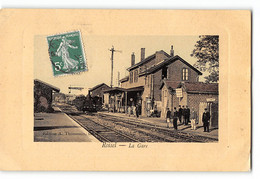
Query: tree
(207,52)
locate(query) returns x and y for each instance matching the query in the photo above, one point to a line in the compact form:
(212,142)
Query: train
(88,103)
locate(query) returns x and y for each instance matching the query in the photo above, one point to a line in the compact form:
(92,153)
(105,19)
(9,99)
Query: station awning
(135,89)
(120,90)
(115,90)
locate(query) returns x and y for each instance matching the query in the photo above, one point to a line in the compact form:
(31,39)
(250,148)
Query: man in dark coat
(137,110)
(205,120)
(187,120)
(180,113)
(175,118)
(184,115)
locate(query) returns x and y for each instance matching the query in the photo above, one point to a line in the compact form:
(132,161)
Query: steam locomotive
(88,103)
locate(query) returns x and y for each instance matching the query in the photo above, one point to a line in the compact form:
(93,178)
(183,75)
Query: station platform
(59,127)
(162,123)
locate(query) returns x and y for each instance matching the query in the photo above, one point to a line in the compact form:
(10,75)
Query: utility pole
(112,61)
(118,77)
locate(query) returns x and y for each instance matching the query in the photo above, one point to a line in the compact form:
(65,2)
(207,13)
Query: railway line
(110,131)
(101,132)
(167,132)
(108,128)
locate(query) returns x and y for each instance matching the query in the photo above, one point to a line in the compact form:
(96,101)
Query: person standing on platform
(137,111)
(175,118)
(193,118)
(139,108)
(184,115)
(134,110)
(180,113)
(205,120)
(129,111)
(168,116)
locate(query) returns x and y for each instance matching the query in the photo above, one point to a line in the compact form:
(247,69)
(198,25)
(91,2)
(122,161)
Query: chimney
(132,59)
(172,51)
(142,54)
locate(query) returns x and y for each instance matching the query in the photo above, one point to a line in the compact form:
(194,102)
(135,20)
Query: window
(136,76)
(185,74)
(164,73)
(131,77)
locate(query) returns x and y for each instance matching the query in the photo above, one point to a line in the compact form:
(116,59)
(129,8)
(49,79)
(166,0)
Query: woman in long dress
(62,51)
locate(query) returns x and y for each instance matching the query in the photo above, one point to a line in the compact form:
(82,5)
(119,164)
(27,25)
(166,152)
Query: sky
(98,58)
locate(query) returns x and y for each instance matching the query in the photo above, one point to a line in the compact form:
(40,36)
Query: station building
(43,96)
(115,99)
(98,91)
(197,95)
(143,84)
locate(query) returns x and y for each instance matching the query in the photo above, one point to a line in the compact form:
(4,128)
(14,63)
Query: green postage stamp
(66,53)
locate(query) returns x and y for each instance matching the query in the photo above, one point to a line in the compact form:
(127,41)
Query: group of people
(135,110)
(185,115)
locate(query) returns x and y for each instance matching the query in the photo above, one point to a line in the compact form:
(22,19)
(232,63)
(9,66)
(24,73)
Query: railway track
(167,132)
(108,128)
(101,132)
(112,133)
(123,132)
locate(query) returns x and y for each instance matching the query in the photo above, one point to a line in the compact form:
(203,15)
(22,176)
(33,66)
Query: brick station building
(197,95)
(143,84)
(152,84)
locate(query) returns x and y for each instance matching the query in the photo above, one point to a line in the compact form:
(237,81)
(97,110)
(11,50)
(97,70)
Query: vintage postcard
(126,90)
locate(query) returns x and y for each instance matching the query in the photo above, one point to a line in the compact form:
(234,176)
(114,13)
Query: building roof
(138,88)
(97,86)
(114,90)
(167,61)
(124,79)
(147,59)
(117,89)
(47,84)
(170,84)
(199,87)
(192,87)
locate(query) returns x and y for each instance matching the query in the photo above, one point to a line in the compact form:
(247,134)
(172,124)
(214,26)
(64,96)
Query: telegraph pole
(118,77)
(112,65)
(112,61)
